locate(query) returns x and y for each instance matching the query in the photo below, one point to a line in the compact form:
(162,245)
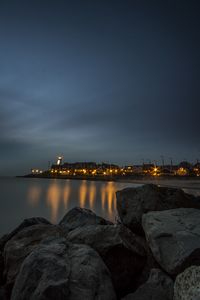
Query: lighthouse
(59,160)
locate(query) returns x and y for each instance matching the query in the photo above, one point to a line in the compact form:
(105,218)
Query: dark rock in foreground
(122,251)
(22,244)
(86,257)
(158,287)
(132,203)
(174,238)
(24,224)
(60,270)
(3,295)
(1,268)
(78,217)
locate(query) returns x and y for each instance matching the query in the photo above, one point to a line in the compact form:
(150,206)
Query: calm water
(50,198)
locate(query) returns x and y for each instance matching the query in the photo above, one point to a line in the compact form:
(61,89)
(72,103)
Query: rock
(174,238)
(3,295)
(121,250)
(150,264)
(21,245)
(158,287)
(61,270)
(132,203)
(24,224)
(3,241)
(1,268)
(187,284)
(78,217)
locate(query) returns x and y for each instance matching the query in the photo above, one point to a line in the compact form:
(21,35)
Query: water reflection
(53,200)
(33,195)
(66,194)
(82,193)
(62,195)
(92,195)
(108,200)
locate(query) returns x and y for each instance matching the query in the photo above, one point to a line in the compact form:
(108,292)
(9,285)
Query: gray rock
(132,203)
(60,270)
(78,217)
(174,238)
(122,251)
(187,284)
(26,223)
(158,287)
(21,245)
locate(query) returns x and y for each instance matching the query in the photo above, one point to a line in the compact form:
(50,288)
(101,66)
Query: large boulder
(78,217)
(60,270)
(187,284)
(174,238)
(25,223)
(158,287)
(122,251)
(22,244)
(132,203)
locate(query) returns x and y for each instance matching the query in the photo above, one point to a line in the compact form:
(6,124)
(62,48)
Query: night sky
(114,81)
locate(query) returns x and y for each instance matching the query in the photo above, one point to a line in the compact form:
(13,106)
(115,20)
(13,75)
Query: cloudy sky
(115,81)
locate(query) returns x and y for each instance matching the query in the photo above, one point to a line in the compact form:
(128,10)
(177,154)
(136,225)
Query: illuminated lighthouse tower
(59,160)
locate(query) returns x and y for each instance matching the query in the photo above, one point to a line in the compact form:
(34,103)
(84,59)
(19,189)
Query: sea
(52,198)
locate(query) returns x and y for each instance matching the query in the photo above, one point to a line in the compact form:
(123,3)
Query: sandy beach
(176,183)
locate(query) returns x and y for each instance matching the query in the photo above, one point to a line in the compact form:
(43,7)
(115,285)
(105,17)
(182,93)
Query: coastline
(174,182)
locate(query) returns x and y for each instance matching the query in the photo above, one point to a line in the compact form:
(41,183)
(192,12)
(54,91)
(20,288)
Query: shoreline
(183,183)
(173,183)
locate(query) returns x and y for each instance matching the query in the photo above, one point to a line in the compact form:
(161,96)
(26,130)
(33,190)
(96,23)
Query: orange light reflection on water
(53,200)
(34,195)
(66,194)
(103,197)
(108,197)
(92,194)
(61,196)
(82,193)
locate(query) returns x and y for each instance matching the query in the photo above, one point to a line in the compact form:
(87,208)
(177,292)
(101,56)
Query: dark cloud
(107,80)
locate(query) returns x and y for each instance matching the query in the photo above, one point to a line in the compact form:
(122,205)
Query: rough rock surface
(174,238)
(61,270)
(24,224)
(122,251)
(132,203)
(158,287)
(78,217)
(187,284)
(22,243)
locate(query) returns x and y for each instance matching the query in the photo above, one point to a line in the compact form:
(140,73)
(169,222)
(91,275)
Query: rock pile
(153,254)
